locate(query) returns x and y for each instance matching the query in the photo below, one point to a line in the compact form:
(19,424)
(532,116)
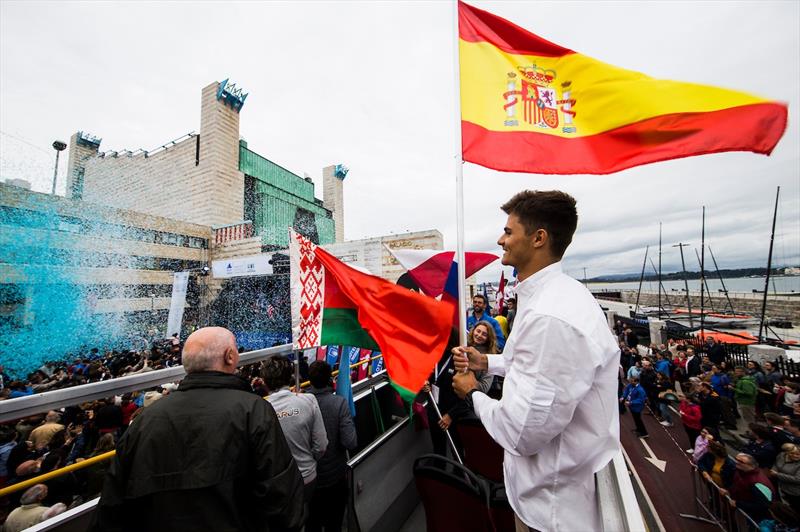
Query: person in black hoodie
(209,456)
(330,495)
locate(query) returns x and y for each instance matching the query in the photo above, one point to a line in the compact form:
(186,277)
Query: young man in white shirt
(558,419)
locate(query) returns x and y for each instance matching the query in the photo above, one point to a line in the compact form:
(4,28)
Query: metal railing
(716,508)
(21,407)
(359,389)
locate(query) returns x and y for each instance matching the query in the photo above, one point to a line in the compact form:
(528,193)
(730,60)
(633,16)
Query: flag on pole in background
(429,268)
(501,292)
(529,105)
(334,304)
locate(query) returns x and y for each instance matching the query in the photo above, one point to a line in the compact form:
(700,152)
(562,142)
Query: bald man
(209,456)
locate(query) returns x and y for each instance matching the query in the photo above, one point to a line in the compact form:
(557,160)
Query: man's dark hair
(482,296)
(319,373)
(278,372)
(551,210)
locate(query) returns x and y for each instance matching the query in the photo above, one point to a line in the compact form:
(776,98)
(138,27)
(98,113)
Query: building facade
(76,275)
(211,178)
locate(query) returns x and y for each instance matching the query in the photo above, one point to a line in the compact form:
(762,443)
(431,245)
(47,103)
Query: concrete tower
(81,148)
(333,195)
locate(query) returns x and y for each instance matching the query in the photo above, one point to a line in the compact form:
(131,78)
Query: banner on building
(177,303)
(241,266)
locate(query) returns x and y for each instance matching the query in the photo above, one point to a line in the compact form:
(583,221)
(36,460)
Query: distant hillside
(678,276)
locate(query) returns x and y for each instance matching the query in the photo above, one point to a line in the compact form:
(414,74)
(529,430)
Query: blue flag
(343,384)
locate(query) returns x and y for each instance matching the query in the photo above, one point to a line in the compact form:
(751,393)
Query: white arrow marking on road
(661,464)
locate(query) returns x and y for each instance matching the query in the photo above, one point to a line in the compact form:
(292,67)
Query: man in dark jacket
(330,495)
(210,456)
(751,490)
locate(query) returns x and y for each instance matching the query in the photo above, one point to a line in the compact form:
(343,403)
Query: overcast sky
(370,85)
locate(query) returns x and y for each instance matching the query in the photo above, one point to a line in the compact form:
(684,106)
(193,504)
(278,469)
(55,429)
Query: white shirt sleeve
(496,365)
(552,369)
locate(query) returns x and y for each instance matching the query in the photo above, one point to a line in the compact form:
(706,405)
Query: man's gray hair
(34,494)
(750,459)
(206,359)
(52,417)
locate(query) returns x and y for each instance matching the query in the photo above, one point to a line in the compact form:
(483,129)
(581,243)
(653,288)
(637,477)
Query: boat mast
(661,287)
(721,280)
(705,281)
(659,271)
(769,266)
(641,278)
(702,275)
(680,245)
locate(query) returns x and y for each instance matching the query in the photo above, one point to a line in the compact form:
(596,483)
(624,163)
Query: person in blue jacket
(480,312)
(635,398)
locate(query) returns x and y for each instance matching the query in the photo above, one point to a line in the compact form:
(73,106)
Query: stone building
(211,178)
(76,275)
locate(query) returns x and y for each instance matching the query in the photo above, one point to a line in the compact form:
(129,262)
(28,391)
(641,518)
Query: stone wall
(777,307)
(195,180)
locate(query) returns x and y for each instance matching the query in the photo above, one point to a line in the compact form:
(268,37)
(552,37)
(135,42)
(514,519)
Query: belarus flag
(429,268)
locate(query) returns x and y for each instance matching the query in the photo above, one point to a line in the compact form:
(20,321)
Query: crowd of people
(92,366)
(316,427)
(742,423)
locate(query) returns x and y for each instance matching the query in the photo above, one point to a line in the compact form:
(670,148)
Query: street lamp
(59,146)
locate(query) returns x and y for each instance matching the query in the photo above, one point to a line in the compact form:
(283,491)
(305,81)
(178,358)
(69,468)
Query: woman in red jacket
(690,417)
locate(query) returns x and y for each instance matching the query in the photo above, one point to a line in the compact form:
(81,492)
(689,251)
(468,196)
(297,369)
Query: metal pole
(659,271)
(446,431)
(686,284)
(721,280)
(702,275)
(460,255)
(769,266)
(59,146)
(641,278)
(705,282)
(297,371)
(661,287)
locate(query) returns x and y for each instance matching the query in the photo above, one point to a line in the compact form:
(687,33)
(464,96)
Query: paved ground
(671,490)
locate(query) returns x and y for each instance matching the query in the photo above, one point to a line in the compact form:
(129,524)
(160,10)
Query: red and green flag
(335,304)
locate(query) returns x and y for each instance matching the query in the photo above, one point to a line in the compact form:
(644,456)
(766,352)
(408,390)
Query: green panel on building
(276,199)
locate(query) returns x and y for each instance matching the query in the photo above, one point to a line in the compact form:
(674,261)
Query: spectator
(724,389)
(330,495)
(300,418)
(715,350)
(716,465)
(479,313)
(745,391)
(772,374)
(701,444)
(693,363)
(760,446)
(777,427)
(790,397)
(647,379)
(630,338)
(665,393)
(635,397)
(691,417)
(662,365)
(511,302)
(40,436)
(679,363)
(786,471)
(635,370)
(210,456)
(8,440)
(750,490)
(32,511)
(710,406)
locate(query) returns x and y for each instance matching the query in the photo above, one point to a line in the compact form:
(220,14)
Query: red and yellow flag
(529,105)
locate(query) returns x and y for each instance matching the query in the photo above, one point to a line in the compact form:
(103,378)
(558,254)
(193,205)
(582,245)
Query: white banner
(240,266)
(177,303)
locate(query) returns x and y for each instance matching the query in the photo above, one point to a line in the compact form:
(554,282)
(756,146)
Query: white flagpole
(459,162)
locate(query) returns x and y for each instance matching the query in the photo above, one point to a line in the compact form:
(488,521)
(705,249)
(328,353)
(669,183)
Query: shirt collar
(527,288)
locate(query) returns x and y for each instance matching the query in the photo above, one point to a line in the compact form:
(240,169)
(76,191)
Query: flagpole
(459,162)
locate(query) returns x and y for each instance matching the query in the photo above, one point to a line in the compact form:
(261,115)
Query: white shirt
(558,420)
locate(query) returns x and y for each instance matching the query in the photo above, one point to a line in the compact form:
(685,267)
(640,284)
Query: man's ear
(540,238)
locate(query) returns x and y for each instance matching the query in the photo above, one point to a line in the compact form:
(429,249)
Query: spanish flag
(529,105)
